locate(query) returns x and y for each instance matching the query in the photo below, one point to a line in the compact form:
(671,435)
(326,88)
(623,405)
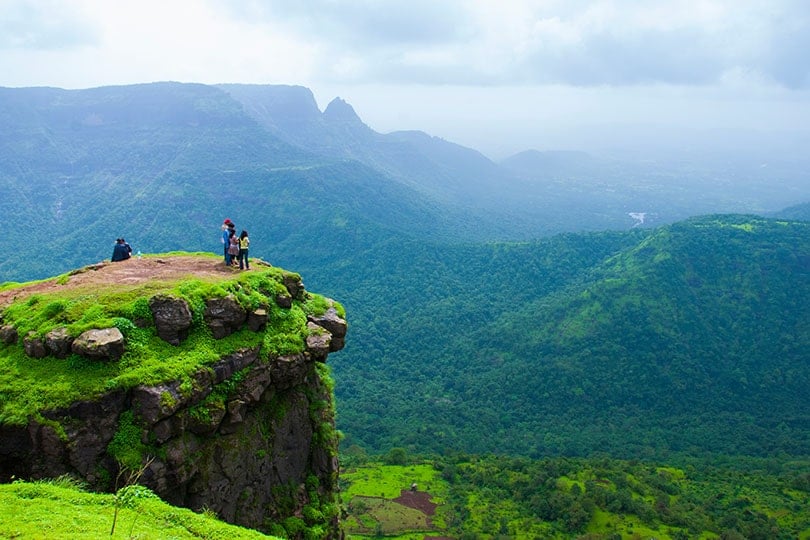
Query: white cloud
(468,70)
(43,25)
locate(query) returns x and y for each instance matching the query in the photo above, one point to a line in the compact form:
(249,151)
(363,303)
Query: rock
(318,341)
(288,371)
(224,316)
(232,363)
(8,334)
(294,286)
(206,418)
(154,403)
(257,320)
(100,344)
(284,301)
(254,384)
(34,346)
(167,428)
(236,411)
(59,342)
(172,316)
(334,324)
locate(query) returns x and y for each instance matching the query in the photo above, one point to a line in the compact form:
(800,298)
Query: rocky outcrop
(58,342)
(100,344)
(8,334)
(334,324)
(238,452)
(224,316)
(172,318)
(249,436)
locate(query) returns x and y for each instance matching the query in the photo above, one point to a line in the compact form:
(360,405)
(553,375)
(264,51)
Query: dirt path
(131,272)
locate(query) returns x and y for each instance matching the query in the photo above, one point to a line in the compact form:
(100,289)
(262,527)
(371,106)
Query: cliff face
(249,434)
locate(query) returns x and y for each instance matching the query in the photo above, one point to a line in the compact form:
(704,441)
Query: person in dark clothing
(121,250)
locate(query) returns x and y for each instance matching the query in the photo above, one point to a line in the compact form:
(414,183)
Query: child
(233,247)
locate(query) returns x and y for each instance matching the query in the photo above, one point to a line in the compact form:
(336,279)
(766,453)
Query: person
(226,242)
(127,246)
(120,252)
(233,250)
(244,244)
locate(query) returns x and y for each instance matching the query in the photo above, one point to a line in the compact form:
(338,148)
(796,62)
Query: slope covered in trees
(688,339)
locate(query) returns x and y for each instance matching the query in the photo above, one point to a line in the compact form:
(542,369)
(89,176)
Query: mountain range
(552,302)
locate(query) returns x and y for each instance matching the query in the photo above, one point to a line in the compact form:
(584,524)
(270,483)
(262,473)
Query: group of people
(235,246)
(121,250)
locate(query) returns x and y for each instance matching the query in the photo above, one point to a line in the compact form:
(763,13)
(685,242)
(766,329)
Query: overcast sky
(498,75)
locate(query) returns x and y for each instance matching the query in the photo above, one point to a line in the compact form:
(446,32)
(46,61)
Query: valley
(630,314)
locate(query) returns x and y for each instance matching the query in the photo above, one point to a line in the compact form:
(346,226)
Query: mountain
(162,165)
(480,199)
(687,339)
(799,211)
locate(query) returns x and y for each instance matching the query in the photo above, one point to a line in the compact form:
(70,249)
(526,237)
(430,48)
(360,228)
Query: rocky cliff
(204,384)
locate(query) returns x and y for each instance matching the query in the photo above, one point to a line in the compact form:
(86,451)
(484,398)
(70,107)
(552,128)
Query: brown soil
(418,500)
(130,272)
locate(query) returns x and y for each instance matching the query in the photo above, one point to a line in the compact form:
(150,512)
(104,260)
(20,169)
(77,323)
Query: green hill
(204,383)
(60,508)
(689,339)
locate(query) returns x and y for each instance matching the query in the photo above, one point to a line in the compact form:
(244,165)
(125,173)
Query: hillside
(162,164)
(60,508)
(206,384)
(690,339)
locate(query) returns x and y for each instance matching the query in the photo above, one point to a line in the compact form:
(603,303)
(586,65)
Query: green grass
(59,509)
(389,480)
(369,491)
(492,496)
(30,386)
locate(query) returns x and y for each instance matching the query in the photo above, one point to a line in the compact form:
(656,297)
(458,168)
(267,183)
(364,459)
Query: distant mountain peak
(340,111)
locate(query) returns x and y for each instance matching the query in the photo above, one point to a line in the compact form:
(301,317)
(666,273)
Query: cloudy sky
(498,75)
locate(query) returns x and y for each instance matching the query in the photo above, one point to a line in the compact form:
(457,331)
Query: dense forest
(691,338)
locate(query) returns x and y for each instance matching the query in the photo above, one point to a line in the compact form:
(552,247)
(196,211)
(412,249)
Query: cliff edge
(205,384)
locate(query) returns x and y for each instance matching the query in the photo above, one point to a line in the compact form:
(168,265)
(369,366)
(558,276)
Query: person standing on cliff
(233,250)
(226,239)
(244,244)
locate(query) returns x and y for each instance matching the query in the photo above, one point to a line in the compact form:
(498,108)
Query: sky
(500,76)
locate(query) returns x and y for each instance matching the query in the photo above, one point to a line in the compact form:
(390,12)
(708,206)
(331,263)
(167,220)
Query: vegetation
(33,385)
(657,345)
(690,339)
(598,499)
(60,508)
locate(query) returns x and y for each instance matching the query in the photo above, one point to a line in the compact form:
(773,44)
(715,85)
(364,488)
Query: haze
(668,78)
